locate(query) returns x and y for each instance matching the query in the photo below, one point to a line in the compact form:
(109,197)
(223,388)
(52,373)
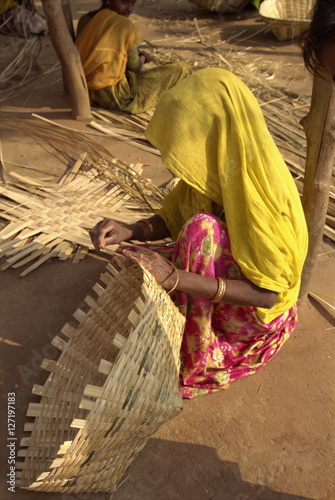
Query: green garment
(137,93)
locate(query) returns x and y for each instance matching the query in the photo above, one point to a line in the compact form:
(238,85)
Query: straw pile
(114,384)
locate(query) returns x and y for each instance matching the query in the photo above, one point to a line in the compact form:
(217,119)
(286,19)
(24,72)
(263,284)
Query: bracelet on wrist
(149,229)
(222,285)
(176,283)
(174,271)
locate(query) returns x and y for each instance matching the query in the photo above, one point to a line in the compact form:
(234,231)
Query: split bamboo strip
(125,137)
(71,144)
(53,220)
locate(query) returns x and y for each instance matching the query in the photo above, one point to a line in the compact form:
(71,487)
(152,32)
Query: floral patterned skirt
(221,342)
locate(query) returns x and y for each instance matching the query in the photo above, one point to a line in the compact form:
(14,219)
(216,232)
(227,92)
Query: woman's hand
(147,57)
(143,58)
(108,232)
(162,270)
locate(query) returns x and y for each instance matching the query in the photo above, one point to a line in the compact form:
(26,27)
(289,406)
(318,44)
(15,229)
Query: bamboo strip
(93,391)
(96,126)
(69,176)
(105,366)
(43,259)
(12,230)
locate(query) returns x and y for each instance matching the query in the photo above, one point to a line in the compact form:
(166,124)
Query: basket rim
(282,20)
(265,14)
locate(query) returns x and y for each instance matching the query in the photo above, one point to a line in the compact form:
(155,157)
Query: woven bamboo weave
(229,6)
(52,220)
(115,382)
(287,19)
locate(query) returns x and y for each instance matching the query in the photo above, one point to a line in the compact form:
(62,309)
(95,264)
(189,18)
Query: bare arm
(141,62)
(109,232)
(239,292)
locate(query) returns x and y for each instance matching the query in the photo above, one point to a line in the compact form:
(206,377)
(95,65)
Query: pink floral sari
(221,342)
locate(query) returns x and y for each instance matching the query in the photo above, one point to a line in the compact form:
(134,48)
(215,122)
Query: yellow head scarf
(212,134)
(103,47)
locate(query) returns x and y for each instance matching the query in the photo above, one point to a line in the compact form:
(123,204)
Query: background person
(318,42)
(107,44)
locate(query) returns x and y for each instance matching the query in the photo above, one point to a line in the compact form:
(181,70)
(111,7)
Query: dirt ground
(270,436)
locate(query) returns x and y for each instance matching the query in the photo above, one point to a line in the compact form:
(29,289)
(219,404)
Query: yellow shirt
(103,46)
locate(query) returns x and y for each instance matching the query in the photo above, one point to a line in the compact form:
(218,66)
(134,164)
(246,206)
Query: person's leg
(151,84)
(136,94)
(118,96)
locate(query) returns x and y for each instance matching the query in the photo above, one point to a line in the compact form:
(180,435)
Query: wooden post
(70,60)
(66,6)
(69,22)
(319,130)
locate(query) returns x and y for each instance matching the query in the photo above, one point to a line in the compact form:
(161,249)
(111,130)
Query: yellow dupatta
(212,134)
(103,46)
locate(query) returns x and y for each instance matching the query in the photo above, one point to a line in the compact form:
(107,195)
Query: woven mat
(52,220)
(116,381)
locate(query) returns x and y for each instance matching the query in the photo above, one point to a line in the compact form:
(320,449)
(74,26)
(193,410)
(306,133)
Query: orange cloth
(103,46)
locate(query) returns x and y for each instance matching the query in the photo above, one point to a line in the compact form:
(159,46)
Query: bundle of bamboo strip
(53,220)
(67,145)
(48,219)
(116,381)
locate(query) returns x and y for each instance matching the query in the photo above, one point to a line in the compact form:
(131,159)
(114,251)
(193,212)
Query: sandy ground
(268,437)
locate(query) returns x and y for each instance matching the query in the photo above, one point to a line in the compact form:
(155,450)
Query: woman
(238,225)
(318,42)
(107,43)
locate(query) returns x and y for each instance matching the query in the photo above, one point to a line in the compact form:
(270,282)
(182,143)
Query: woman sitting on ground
(238,226)
(107,43)
(318,42)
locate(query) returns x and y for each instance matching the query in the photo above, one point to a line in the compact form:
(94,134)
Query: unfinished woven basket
(229,6)
(116,381)
(287,19)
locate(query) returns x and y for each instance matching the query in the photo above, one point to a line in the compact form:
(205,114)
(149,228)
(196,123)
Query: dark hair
(320,32)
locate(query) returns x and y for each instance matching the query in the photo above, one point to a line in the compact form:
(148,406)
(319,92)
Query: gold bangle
(222,285)
(149,229)
(176,283)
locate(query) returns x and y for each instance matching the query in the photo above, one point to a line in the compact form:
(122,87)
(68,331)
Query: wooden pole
(319,130)
(69,23)
(70,60)
(66,6)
